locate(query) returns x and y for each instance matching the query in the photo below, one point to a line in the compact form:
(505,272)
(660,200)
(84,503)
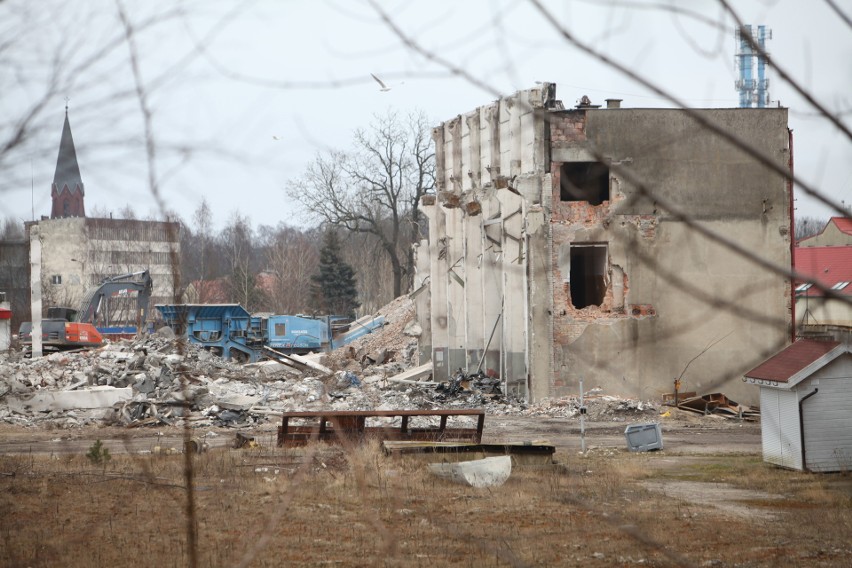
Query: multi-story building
(605,245)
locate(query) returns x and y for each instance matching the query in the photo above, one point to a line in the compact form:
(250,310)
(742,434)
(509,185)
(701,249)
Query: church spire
(67,190)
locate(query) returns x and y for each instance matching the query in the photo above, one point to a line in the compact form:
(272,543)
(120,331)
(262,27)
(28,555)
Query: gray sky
(244,94)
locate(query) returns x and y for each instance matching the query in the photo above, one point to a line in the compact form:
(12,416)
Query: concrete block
(95,397)
(237,402)
(413,374)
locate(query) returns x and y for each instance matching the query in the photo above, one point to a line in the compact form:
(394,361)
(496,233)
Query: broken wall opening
(584,181)
(588,275)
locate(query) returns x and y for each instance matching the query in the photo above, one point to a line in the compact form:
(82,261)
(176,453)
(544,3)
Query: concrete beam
(95,397)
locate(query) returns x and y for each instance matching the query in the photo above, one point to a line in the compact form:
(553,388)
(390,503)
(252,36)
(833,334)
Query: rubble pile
(160,379)
(396,341)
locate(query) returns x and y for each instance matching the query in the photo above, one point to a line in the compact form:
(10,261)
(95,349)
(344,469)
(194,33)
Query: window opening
(280,329)
(840,285)
(803,287)
(56,279)
(584,181)
(588,275)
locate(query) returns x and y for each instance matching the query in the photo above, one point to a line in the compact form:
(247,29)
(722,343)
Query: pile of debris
(160,379)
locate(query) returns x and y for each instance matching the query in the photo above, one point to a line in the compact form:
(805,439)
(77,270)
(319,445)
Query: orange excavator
(67,328)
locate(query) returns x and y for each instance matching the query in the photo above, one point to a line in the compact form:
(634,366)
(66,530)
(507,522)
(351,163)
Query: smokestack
(613,103)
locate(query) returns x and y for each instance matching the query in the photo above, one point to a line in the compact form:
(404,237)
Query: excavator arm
(139,282)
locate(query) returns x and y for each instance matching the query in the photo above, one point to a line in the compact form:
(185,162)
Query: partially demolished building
(569,245)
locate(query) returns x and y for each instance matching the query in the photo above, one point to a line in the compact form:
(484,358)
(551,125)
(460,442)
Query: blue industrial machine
(229,331)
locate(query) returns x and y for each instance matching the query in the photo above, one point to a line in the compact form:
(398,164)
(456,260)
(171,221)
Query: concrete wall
(672,292)
(816,310)
(63,265)
(668,292)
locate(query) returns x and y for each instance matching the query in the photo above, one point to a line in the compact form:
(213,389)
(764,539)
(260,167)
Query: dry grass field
(325,505)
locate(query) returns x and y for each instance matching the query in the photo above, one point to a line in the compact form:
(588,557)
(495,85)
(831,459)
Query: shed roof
(795,358)
(830,266)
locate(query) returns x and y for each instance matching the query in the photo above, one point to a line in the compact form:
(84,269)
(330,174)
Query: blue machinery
(230,331)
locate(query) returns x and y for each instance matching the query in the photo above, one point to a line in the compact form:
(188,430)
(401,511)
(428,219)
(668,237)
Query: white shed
(806,406)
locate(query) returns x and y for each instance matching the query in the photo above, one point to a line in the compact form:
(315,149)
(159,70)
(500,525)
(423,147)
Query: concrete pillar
(455,279)
(474,172)
(514,294)
(35,289)
(422,299)
(507,106)
(438,277)
(474,340)
(489,143)
(492,284)
(539,304)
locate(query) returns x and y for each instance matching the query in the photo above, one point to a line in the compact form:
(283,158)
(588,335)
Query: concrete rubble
(160,380)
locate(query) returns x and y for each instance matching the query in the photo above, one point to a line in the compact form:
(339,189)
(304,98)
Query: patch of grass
(354,506)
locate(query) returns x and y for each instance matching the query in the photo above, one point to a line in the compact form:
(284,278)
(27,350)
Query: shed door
(779,417)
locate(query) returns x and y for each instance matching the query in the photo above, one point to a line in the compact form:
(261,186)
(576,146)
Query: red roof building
(830,266)
(837,232)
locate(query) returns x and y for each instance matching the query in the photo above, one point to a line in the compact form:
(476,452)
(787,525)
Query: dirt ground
(683,434)
(706,499)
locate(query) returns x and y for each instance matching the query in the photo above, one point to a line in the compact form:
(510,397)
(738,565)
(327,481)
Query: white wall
(828,416)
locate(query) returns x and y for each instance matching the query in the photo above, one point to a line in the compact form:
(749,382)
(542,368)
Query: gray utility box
(644,437)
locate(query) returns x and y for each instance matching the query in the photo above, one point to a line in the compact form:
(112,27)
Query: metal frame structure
(334,426)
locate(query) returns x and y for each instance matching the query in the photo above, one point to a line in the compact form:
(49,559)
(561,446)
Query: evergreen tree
(333,290)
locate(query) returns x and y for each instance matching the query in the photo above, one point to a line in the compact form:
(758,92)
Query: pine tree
(333,290)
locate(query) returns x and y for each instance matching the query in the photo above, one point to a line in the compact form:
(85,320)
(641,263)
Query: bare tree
(291,256)
(238,240)
(807,226)
(196,250)
(12,230)
(376,187)
(127,212)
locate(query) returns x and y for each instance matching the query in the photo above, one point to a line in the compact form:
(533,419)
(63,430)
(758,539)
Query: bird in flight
(274,137)
(383,88)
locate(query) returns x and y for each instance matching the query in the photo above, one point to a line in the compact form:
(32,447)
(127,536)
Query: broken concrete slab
(272,367)
(95,397)
(414,375)
(413,329)
(237,402)
(488,472)
(310,361)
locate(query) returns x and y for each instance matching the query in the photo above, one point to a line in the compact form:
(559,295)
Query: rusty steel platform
(333,426)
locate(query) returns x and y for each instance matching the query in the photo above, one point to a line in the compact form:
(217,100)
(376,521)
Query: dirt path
(709,436)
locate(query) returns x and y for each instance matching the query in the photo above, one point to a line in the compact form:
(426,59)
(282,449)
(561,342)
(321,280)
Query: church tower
(67,190)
